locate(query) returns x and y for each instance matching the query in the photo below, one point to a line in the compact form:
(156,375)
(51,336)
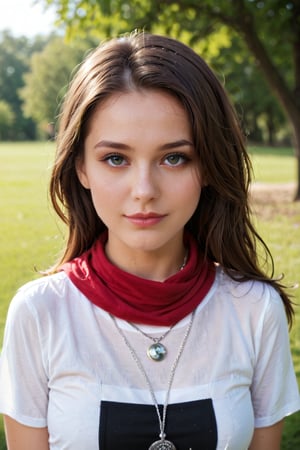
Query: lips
(145,219)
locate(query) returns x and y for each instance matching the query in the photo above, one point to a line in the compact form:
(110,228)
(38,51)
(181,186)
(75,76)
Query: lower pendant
(162,445)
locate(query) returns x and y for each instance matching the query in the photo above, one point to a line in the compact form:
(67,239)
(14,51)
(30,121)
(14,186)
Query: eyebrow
(122,146)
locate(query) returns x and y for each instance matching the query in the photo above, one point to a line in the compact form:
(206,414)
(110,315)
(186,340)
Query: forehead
(139,105)
(147,119)
(139,95)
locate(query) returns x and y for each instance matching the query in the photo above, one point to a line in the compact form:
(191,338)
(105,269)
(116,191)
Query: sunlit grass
(29,236)
(273,165)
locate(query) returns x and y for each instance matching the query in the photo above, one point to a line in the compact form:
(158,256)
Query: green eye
(175,159)
(115,160)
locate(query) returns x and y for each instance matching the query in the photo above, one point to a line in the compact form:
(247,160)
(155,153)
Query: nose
(145,183)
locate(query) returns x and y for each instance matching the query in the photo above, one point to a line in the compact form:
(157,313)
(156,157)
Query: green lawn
(273,165)
(31,238)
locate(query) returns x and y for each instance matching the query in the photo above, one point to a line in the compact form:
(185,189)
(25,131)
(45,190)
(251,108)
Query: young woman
(157,329)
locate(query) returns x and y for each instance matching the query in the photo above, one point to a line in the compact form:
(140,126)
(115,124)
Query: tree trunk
(297,148)
(270,128)
(287,98)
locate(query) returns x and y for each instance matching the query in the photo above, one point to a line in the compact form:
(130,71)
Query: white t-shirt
(64,365)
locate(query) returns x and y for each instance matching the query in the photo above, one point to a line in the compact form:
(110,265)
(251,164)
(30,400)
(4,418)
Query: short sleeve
(274,388)
(23,378)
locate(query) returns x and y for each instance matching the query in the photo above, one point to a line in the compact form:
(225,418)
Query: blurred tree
(47,80)
(270,29)
(7,119)
(14,61)
(260,112)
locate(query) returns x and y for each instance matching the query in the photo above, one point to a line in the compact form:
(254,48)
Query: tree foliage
(7,119)
(14,62)
(259,111)
(48,78)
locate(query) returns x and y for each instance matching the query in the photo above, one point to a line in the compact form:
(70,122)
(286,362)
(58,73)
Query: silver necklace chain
(162,420)
(154,339)
(184,261)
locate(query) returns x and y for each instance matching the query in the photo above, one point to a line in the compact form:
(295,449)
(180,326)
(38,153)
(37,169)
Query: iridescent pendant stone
(157,352)
(162,444)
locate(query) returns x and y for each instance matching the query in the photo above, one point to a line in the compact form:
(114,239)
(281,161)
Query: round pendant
(157,352)
(162,445)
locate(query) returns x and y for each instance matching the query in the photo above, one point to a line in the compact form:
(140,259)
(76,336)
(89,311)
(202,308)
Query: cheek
(191,200)
(189,190)
(106,195)
(104,206)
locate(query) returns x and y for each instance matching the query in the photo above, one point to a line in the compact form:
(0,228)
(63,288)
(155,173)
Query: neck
(157,265)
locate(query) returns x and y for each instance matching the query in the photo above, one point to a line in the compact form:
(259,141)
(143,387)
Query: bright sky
(26,17)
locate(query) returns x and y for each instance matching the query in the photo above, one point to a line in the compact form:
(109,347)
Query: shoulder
(42,294)
(251,300)
(249,291)
(46,282)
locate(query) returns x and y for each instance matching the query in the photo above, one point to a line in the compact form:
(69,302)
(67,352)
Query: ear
(81,172)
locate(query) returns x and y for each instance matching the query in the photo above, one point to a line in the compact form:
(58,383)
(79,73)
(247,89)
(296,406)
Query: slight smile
(145,220)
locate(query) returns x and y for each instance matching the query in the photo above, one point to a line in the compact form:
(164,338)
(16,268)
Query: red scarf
(137,299)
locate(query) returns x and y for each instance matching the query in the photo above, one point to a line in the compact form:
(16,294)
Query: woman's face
(142,170)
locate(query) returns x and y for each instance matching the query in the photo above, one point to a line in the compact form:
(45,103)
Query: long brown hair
(222,222)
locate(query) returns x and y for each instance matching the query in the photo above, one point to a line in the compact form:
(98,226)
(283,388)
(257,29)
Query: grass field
(31,238)
(273,165)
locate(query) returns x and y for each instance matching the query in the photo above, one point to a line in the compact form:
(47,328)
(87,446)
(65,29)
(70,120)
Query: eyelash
(184,157)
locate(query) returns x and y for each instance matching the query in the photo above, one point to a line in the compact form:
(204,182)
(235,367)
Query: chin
(149,242)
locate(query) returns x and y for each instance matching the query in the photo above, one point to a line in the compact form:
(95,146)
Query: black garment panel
(190,426)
